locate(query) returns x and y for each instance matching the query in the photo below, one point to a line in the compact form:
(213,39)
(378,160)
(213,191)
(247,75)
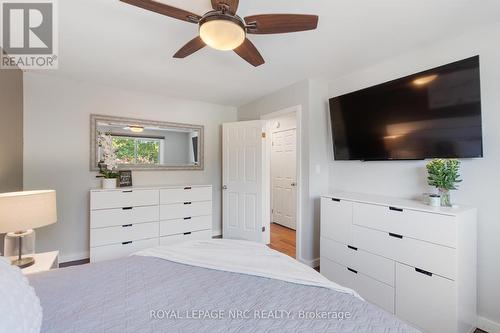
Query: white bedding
(245,258)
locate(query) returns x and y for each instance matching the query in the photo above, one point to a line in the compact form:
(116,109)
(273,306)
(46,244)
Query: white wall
(408,179)
(311,96)
(56,149)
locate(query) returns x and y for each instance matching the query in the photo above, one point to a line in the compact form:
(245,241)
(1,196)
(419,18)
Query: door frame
(267,174)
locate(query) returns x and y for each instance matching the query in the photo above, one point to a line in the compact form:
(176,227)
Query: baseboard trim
(73,257)
(311,263)
(488,325)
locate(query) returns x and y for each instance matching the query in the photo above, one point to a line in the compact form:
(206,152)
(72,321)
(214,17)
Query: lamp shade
(20,211)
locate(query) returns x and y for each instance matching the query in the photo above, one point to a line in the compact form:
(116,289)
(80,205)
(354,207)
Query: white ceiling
(113,43)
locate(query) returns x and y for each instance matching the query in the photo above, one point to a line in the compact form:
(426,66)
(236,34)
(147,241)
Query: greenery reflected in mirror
(142,144)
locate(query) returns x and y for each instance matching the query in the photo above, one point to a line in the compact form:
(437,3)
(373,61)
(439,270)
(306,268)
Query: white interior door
(283,178)
(242,175)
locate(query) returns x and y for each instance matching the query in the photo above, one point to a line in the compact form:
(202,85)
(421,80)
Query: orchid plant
(108,165)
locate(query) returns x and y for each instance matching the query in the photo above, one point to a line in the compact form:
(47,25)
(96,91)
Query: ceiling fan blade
(191,47)
(163,9)
(280,23)
(232,5)
(249,52)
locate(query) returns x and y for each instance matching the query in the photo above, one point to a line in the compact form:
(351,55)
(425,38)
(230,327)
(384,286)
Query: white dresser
(123,221)
(413,260)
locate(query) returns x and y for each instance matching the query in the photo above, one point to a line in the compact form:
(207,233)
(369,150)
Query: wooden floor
(283,239)
(74,263)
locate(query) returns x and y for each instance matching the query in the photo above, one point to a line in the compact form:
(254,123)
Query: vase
(445,197)
(108,183)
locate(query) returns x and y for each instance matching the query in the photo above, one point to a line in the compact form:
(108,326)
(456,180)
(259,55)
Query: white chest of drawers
(413,260)
(123,221)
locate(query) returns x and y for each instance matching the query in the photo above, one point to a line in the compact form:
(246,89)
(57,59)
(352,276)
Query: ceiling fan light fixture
(222,33)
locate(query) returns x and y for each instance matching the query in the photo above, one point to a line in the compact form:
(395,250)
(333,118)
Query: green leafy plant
(105,173)
(444,174)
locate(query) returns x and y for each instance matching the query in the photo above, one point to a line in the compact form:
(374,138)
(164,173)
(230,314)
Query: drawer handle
(126,225)
(187,187)
(187,218)
(421,271)
(352,247)
(335,199)
(129,191)
(396,235)
(126,243)
(352,270)
(127,208)
(187,203)
(395,209)
(187,233)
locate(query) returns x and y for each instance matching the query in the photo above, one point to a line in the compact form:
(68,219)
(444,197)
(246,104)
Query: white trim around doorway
(267,170)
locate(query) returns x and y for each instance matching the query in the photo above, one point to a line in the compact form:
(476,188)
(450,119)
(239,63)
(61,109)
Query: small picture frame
(125,178)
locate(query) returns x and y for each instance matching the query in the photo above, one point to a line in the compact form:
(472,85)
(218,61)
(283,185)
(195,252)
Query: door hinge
(263,229)
(263,135)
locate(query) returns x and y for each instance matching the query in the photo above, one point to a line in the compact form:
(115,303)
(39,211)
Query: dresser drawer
(185,194)
(370,289)
(196,235)
(428,302)
(336,219)
(185,209)
(180,226)
(434,228)
(434,258)
(119,216)
(125,233)
(377,267)
(114,251)
(123,198)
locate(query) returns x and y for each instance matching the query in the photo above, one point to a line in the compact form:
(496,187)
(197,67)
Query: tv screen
(432,114)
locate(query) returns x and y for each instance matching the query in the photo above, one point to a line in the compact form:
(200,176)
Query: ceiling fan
(223,30)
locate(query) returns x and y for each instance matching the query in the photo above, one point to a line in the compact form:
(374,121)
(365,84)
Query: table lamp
(22,211)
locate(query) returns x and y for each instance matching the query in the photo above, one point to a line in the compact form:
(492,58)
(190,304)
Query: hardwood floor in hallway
(283,239)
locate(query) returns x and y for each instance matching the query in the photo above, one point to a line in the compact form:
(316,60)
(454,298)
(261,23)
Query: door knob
(224,187)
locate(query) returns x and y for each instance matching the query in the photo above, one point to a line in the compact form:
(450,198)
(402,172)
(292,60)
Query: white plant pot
(108,183)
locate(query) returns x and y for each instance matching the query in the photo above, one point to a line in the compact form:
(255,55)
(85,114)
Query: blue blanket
(146,294)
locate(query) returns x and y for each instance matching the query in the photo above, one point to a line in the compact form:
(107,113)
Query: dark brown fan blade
(167,10)
(232,5)
(280,23)
(249,52)
(191,47)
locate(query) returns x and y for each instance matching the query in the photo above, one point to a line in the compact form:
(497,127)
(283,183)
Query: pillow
(19,305)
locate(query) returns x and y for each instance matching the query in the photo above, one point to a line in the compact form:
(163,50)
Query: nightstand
(43,262)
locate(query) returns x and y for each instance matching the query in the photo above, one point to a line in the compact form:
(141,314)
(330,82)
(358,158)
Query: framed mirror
(148,145)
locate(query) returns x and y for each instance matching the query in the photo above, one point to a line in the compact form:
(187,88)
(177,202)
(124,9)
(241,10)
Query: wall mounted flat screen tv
(432,114)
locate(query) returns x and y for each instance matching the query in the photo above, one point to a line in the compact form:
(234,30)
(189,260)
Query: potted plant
(443,174)
(108,165)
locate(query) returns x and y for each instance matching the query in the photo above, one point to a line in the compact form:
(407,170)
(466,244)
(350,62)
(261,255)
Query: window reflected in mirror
(139,144)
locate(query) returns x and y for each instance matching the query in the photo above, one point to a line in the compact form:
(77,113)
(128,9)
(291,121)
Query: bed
(204,286)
